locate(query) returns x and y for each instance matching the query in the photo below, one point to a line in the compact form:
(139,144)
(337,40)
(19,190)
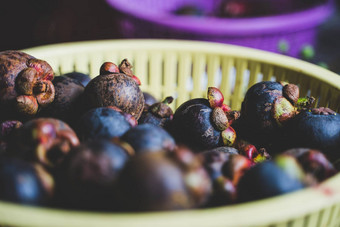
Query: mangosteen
(159,113)
(82,78)
(313,162)
(214,159)
(318,128)
(223,190)
(266,180)
(266,107)
(152,181)
(293,167)
(23,182)
(191,125)
(88,175)
(44,140)
(196,177)
(235,167)
(224,193)
(101,122)
(200,127)
(115,89)
(67,102)
(25,85)
(149,138)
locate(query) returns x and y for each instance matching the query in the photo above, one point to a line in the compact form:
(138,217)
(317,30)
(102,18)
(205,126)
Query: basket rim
(267,211)
(263,56)
(290,22)
(262,212)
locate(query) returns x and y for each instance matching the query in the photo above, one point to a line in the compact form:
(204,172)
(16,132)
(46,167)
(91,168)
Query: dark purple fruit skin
(83,78)
(214,159)
(53,137)
(314,131)
(150,118)
(265,180)
(102,122)
(256,123)
(313,162)
(149,138)
(149,99)
(88,176)
(191,125)
(67,101)
(152,182)
(20,183)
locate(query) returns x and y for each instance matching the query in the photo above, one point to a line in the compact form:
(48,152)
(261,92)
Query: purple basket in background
(153,19)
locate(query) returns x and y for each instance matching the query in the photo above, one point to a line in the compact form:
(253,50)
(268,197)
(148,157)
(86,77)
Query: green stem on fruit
(305,103)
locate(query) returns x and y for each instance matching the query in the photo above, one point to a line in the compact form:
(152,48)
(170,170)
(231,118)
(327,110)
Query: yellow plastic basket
(166,67)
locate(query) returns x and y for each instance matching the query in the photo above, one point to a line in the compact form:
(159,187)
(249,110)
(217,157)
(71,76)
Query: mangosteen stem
(125,67)
(305,103)
(168,100)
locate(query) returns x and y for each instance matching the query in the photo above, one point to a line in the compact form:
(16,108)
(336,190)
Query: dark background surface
(28,23)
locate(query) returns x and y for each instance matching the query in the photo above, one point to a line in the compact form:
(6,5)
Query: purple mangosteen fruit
(149,138)
(214,159)
(317,128)
(313,162)
(159,113)
(82,78)
(25,183)
(266,180)
(266,107)
(203,123)
(115,89)
(67,102)
(153,181)
(43,140)
(196,177)
(235,167)
(101,122)
(223,190)
(25,85)
(87,178)
(191,125)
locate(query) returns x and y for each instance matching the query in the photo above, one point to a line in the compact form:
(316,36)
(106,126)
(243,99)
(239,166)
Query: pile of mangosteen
(100,143)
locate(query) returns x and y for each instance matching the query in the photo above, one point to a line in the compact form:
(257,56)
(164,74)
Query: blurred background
(307,29)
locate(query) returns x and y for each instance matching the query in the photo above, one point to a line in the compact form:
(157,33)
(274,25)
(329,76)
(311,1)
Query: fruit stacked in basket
(101,143)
